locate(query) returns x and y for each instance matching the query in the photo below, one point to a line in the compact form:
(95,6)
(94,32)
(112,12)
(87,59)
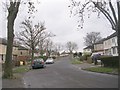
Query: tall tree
(91,38)
(109,8)
(31,35)
(12,14)
(12,7)
(71,46)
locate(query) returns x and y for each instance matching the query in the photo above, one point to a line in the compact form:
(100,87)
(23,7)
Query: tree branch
(113,11)
(118,6)
(107,15)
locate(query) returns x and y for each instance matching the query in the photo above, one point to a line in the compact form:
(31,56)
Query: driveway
(62,74)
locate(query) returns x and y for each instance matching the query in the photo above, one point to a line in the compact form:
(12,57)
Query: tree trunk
(118,40)
(33,52)
(8,62)
(12,14)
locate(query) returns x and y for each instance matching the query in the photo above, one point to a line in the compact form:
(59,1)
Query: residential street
(62,74)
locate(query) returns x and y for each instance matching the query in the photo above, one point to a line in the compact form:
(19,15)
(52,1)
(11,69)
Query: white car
(49,61)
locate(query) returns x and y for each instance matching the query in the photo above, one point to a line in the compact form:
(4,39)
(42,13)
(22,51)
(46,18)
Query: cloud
(56,15)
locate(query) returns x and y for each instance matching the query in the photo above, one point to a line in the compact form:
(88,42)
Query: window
(114,50)
(21,53)
(2,57)
(113,40)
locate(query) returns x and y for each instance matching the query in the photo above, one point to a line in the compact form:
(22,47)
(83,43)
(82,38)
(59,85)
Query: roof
(108,37)
(88,47)
(111,36)
(100,41)
(4,42)
(22,48)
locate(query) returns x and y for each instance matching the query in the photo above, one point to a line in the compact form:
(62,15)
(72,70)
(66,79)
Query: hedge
(110,61)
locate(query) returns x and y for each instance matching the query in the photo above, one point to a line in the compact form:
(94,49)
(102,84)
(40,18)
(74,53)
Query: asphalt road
(62,74)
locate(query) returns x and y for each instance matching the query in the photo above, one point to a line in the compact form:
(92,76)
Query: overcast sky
(56,15)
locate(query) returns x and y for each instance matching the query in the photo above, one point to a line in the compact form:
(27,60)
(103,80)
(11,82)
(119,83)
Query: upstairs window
(20,53)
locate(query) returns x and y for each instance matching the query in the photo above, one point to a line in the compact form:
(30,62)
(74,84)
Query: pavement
(86,65)
(13,83)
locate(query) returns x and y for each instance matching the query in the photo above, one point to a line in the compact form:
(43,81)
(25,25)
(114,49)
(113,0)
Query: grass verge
(76,61)
(103,70)
(21,69)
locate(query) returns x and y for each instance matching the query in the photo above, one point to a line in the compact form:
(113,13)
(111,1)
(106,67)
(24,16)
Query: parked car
(38,63)
(49,61)
(95,58)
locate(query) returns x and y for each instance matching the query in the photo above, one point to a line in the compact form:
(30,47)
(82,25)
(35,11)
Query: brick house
(23,53)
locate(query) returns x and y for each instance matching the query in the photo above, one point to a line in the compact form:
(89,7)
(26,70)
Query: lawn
(76,61)
(103,70)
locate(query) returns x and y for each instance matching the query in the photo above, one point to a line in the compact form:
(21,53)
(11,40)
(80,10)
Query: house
(23,53)
(88,49)
(110,45)
(99,47)
(3,46)
(106,46)
(64,53)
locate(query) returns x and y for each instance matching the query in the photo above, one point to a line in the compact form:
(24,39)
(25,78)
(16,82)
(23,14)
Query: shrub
(110,61)
(45,58)
(81,58)
(89,60)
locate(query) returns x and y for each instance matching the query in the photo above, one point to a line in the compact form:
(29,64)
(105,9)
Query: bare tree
(48,46)
(91,38)
(45,41)
(109,8)
(31,35)
(57,47)
(12,7)
(71,46)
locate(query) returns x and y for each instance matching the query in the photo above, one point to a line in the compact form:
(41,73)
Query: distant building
(88,49)
(64,53)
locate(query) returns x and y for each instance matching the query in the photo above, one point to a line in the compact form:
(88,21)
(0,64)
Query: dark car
(38,63)
(95,58)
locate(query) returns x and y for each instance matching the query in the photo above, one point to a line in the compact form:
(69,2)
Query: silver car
(49,61)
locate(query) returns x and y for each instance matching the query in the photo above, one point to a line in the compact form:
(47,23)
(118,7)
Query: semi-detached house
(110,45)
(19,52)
(106,46)
(3,46)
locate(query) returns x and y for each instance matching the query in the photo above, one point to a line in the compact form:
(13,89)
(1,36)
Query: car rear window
(37,60)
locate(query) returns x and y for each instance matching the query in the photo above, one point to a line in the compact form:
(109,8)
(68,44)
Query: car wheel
(33,67)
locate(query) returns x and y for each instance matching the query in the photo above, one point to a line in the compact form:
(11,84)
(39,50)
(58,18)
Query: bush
(81,58)
(89,60)
(110,61)
(84,57)
(45,58)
